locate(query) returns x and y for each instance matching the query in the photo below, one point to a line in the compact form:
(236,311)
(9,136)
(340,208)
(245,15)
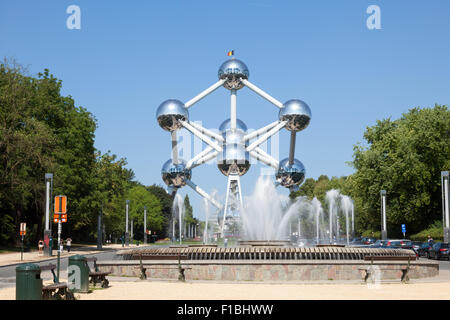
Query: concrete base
(384,235)
(446,235)
(278,271)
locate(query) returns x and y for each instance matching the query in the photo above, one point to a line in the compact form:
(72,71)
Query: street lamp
(127,236)
(145,224)
(48,198)
(445,205)
(383,215)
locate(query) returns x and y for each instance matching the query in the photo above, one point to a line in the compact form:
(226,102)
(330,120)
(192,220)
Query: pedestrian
(225,242)
(61,246)
(430,240)
(68,244)
(41,247)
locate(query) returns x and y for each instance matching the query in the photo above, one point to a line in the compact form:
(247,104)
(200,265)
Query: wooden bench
(97,276)
(370,270)
(57,290)
(181,276)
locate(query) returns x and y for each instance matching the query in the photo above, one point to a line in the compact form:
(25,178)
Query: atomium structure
(232,147)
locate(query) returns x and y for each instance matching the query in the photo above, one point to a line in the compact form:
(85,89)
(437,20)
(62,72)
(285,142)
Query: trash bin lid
(78,257)
(28,267)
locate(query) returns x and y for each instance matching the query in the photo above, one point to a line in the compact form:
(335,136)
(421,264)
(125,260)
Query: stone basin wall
(276,271)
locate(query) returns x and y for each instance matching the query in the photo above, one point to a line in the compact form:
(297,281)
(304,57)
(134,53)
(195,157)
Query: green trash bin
(78,274)
(28,282)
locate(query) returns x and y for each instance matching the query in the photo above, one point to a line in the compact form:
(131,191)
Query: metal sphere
(226,125)
(289,175)
(170,112)
(233,70)
(233,159)
(297,113)
(175,175)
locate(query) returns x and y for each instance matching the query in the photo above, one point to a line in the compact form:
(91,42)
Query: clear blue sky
(129,56)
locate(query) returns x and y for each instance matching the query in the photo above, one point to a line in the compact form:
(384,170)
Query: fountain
(266,217)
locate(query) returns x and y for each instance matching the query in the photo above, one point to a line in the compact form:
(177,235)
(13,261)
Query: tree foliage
(42,131)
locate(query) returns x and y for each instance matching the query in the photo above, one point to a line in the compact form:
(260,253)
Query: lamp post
(127,236)
(445,205)
(99,228)
(47,231)
(383,215)
(145,224)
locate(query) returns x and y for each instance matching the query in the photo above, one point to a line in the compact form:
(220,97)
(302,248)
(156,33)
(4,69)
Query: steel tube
(233,110)
(260,131)
(203,94)
(266,136)
(262,93)
(200,135)
(203,193)
(292,148)
(207,132)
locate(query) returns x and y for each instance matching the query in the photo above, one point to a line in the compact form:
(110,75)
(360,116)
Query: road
(8,273)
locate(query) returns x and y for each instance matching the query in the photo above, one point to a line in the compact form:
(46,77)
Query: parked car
(401,244)
(416,245)
(423,250)
(368,240)
(378,244)
(440,250)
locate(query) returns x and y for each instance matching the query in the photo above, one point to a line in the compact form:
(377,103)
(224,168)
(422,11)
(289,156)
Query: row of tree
(42,131)
(405,157)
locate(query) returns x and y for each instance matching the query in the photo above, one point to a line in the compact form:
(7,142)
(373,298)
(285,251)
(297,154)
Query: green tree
(405,157)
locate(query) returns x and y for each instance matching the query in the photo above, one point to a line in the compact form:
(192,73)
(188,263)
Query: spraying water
(318,211)
(331,197)
(178,212)
(266,214)
(347,207)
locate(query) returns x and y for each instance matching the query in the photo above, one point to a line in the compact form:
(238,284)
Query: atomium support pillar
(233,204)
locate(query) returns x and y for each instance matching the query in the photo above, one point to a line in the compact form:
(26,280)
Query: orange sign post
(59,217)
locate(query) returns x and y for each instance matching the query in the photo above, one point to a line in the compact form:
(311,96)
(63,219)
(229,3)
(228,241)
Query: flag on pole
(230,53)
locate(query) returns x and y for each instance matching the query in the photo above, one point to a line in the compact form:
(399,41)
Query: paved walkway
(134,289)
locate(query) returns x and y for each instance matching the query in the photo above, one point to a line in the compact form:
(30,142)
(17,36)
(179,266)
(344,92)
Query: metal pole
(445,205)
(47,230)
(233,111)
(21,252)
(145,224)
(174,148)
(383,215)
(132,236)
(353,219)
(127,237)
(59,250)
(292,148)
(99,229)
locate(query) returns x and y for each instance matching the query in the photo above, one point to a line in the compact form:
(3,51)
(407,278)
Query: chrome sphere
(296,113)
(175,175)
(226,125)
(290,175)
(233,70)
(170,112)
(233,159)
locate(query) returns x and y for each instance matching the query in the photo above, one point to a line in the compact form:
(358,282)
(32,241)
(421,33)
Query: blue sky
(129,56)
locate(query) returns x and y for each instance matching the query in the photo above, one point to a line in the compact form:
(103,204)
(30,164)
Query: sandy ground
(164,290)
